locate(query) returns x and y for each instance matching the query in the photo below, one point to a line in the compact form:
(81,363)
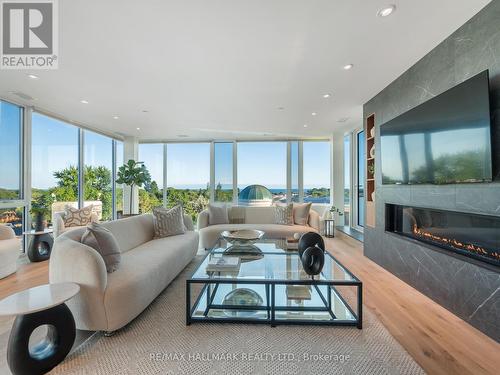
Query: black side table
(35,307)
(39,245)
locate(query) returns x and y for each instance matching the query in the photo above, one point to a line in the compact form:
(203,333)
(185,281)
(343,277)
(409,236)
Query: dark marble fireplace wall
(470,291)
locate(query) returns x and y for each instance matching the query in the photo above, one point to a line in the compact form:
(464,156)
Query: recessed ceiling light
(280,108)
(84,101)
(182,135)
(145,111)
(326,96)
(313,114)
(348,66)
(138,128)
(305,125)
(387,11)
(115,117)
(32,76)
(343,119)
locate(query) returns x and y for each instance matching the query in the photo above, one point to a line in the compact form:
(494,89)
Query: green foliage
(319,192)
(9,194)
(223,195)
(42,204)
(133,173)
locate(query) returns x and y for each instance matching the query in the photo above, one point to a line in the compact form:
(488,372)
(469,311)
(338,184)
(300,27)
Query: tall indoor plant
(133,173)
(40,208)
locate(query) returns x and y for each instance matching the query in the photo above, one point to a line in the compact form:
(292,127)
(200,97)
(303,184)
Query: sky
(188,164)
(55,147)
(10,133)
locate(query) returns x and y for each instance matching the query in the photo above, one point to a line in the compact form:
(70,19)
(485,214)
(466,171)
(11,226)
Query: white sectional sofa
(108,301)
(10,248)
(261,218)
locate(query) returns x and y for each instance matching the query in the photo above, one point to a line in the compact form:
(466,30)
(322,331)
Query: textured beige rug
(159,342)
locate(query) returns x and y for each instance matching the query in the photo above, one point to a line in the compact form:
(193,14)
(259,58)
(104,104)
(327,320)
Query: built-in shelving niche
(370,170)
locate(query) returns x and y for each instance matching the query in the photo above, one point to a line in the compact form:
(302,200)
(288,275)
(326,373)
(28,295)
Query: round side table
(35,307)
(40,245)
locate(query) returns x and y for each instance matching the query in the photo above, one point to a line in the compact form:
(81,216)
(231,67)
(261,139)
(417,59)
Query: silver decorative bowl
(242,238)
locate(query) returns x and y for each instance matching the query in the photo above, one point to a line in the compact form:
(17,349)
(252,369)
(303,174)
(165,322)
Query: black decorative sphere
(310,239)
(313,260)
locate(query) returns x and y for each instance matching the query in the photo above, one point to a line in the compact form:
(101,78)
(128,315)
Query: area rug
(159,342)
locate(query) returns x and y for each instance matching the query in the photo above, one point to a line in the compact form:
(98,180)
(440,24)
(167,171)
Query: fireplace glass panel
(472,235)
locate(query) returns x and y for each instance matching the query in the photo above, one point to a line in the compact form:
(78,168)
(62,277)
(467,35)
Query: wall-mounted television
(445,140)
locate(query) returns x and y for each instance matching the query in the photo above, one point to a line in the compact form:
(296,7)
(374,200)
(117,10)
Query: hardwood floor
(438,340)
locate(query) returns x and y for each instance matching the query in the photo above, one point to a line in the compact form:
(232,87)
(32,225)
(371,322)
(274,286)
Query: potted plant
(40,208)
(133,173)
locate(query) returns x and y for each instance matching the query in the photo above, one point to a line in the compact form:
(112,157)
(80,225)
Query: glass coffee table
(270,286)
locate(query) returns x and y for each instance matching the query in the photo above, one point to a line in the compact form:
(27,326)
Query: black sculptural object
(312,252)
(310,239)
(313,260)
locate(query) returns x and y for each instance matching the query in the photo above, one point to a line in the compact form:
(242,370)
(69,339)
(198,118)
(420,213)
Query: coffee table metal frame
(210,286)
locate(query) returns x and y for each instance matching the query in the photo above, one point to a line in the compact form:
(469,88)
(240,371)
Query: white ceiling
(220,69)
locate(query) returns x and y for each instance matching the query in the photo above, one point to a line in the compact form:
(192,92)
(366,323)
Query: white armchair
(10,248)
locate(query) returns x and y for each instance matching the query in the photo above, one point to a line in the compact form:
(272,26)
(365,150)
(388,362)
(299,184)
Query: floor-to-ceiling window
(98,173)
(11,205)
(294,171)
(316,171)
(360,177)
(151,195)
(188,176)
(264,164)
(119,188)
(54,163)
(347,179)
(223,171)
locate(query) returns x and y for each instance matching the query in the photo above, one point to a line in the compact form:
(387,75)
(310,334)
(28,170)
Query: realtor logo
(29,34)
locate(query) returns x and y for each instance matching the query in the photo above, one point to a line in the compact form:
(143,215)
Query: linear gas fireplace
(475,236)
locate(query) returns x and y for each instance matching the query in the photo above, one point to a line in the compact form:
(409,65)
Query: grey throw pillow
(217,214)
(283,215)
(301,213)
(168,222)
(104,242)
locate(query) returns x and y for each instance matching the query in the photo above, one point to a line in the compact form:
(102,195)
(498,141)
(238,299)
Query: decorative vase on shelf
(372,132)
(372,151)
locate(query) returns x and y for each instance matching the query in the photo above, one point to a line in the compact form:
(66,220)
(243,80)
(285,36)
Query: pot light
(348,66)
(138,128)
(305,125)
(115,117)
(313,114)
(387,11)
(32,76)
(326,96)
(280,108)
(84,101)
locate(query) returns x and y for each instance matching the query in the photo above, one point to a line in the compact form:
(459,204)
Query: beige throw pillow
(168,222)
(217,214)
(73,217)
(301,213)
(104,242)
(236,215)
(283,215)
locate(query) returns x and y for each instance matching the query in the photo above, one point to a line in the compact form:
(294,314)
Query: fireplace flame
(455,243)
